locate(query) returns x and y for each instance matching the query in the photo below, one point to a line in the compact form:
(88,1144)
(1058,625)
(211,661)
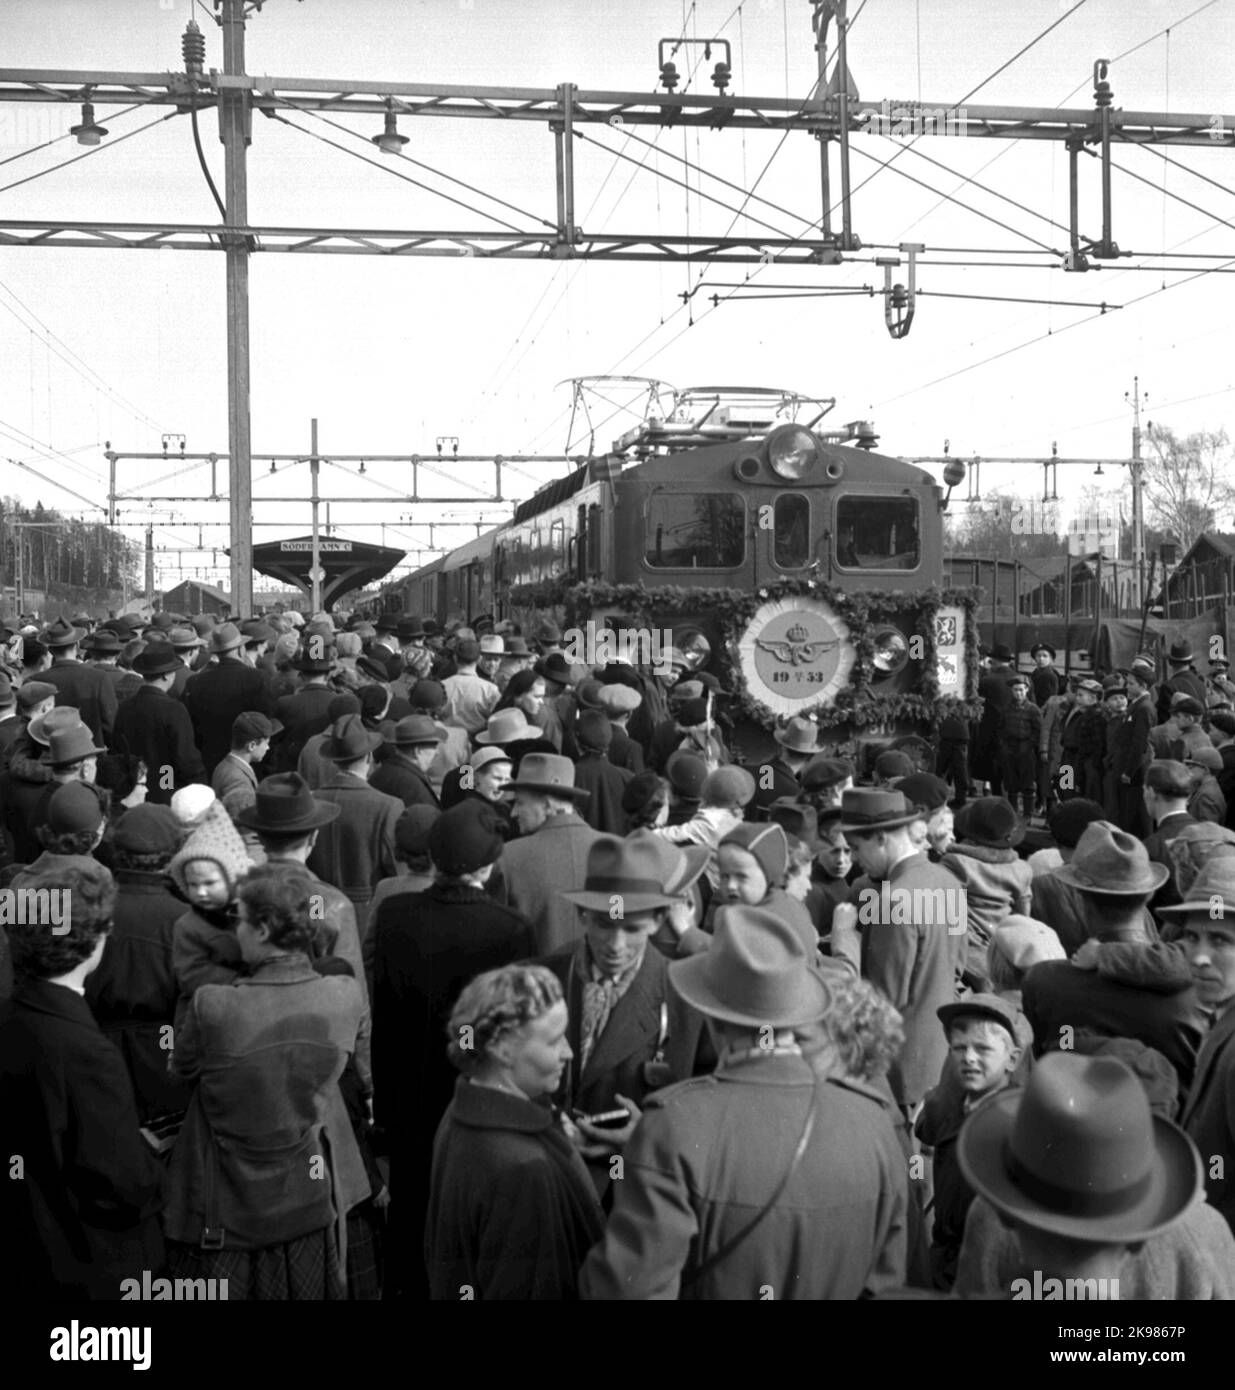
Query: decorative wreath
(858,703)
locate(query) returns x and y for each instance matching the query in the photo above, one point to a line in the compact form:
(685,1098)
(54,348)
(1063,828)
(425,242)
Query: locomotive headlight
(792,452)
(891,651)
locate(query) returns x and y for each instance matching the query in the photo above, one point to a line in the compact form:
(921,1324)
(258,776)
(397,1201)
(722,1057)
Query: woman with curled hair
(512,1210)
(266,1167)
(84,1216)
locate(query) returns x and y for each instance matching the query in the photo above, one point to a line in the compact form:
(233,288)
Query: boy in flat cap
(983,1053)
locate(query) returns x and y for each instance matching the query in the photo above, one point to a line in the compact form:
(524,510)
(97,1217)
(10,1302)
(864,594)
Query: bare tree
(1003,528)
(1187,482)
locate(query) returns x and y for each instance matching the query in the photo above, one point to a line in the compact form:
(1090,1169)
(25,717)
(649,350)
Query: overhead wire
(56,139)
(111,143)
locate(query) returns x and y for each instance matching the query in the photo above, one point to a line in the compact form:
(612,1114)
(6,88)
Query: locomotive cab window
(878,533)
(691,530)
(791,531)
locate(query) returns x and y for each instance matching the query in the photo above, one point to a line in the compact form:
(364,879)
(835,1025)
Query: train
(799,565)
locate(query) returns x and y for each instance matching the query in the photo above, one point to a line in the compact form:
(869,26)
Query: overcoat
(512,1212)
(302,715)
(266,1054)
(1056,995)
(84,1215)
(398,776)
(594,773)
(215,696)
(707,1156)
(539,868)
(916,964)
(357,849)
(133,992)
(150,725)
(88,690)
(1209,1112)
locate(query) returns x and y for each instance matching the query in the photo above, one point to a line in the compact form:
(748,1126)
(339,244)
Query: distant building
(1095,531)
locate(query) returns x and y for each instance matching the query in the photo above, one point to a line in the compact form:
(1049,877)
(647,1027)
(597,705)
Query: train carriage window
(791,530)
(689,530)
(878,533)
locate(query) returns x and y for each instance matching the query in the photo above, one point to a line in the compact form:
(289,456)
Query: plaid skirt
(306,1268)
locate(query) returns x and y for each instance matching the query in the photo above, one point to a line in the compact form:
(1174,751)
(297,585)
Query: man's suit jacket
(357,849)
(915,963)
(1209,1112)
(127,683)
(157,729)
(84,1214)
(302,715)
(234,782)
(539,868)
(87,690)
(215,696)
(398,776)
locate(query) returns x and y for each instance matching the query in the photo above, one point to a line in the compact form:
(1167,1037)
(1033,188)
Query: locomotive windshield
(694,530)
(791,531)
(879,533)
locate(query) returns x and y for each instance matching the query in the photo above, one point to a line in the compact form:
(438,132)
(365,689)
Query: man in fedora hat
(761,1180)
(1207,937)
(306,711)
(913,931)
(404,772)
(356,851)
(615,985)
(157,729)
(103,649)
(216,695)
(72,755)
(1132,751)
(1141,991)
(780,777)
(1182,678)
(287,818)
(84,688)
(550,856)
(1084,1173)
(190,646)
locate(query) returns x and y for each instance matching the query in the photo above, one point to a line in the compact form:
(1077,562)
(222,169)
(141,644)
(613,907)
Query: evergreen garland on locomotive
(806,574)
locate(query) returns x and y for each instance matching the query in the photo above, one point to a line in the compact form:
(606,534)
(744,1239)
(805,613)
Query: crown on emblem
(797,633)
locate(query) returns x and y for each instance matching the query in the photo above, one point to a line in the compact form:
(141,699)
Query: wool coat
(88,690)
(623,750)
(84,1216)
(357,849)
(235,784)
(1066,910)
(133,993)
(215,696)
(916,965)
(997,882)
(538,868)
(157,729)
(1209,1113)
(707,1156)
(266,1055)
(427,946)
(512,1212)
(1192,1261)
(594,773)
(1155,1006)
(302,715)
(397,775)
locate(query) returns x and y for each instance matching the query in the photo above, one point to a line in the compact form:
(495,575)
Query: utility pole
(150,565)
(1136,467)
(315,572)
(235,115)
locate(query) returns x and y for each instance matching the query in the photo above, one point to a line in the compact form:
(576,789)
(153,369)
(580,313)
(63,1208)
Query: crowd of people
(347,959)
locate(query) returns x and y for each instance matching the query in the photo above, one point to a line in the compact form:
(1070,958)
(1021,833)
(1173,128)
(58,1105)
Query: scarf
(600,998)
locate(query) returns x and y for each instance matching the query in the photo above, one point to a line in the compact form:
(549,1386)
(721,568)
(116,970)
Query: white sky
(390,354)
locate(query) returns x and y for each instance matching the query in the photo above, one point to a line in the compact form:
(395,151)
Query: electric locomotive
(735,535)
